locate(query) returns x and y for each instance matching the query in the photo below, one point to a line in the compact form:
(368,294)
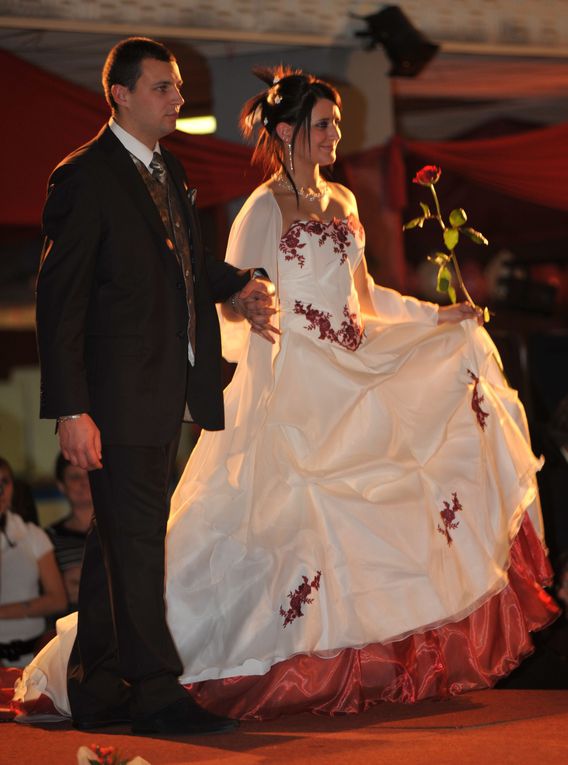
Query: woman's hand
(453,314)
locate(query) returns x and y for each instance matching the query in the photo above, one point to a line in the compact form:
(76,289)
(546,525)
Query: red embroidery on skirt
(448,515)
(476,401)
(349,335)
(299,597)
(336,229)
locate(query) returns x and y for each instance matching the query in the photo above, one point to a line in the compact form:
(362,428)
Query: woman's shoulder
(29,533)
(260,201)
(344,196)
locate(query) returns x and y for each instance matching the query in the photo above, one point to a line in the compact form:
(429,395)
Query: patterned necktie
(158,168)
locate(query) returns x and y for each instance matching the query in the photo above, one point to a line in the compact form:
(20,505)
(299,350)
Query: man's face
(76,487)
(149,112)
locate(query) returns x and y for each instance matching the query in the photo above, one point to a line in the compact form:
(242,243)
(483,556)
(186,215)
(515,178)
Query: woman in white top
(31,586)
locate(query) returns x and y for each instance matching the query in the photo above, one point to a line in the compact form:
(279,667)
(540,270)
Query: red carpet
(498,727)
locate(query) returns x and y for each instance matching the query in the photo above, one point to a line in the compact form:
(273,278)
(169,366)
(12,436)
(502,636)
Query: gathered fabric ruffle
(467,655)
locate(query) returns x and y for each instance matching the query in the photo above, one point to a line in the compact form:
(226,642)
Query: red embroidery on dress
(476,401)
(448,516)
(349,335)
(336,229)
(299,597)
(290,244)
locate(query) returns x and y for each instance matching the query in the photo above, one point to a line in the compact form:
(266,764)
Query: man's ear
(284,131)
(120,94)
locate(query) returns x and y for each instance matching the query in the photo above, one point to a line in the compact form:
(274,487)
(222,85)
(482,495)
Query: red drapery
(46,117)
(531,166)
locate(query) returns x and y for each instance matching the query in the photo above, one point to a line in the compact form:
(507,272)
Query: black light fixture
(408,49)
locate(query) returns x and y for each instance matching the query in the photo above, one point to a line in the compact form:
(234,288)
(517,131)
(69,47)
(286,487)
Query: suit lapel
(133,184)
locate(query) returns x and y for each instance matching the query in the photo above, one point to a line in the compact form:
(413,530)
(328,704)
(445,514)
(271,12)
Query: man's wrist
(234,301)
(66,417)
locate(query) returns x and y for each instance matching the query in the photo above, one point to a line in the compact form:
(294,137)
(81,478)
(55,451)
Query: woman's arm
(53,599)
(389,304)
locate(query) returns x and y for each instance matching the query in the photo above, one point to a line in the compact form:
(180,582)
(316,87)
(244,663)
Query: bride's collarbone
(306,211)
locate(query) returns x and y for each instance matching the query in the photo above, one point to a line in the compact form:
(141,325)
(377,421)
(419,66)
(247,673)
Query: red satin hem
(451,659)
(456,657)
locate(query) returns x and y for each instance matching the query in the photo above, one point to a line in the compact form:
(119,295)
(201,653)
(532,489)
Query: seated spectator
(68,536)
(31,586)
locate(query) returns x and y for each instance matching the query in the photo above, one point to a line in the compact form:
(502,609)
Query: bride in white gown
(367,526)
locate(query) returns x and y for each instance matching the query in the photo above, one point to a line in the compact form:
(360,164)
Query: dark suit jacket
(111,306)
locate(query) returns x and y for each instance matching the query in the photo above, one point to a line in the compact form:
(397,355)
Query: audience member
(31,586)
(68,535)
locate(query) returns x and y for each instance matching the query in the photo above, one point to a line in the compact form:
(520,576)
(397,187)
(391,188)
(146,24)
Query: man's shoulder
(88,156)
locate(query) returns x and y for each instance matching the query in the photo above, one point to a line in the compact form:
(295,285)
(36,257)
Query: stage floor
(495,727)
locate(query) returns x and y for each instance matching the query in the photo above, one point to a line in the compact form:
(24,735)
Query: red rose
(428,176)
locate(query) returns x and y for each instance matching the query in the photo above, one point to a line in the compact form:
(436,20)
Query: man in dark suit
(128,341)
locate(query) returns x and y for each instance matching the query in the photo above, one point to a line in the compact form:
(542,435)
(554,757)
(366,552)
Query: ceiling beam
(264,38)
(186,33)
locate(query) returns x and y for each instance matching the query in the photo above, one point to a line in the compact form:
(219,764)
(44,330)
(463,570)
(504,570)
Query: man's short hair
(122,65)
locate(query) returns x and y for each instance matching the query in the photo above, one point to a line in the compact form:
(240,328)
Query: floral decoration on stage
(105,755)
(446,261)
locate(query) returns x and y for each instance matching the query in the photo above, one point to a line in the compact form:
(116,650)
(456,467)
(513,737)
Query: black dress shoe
(93,722)
(184,716)
(104,718)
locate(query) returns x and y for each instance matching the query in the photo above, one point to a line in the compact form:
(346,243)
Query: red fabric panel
(471,654)
(46,117)
(532,165)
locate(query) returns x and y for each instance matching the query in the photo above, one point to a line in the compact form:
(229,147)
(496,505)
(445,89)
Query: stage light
(408,49)
(197,125)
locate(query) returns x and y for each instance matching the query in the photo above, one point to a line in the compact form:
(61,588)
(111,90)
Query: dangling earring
(291,158)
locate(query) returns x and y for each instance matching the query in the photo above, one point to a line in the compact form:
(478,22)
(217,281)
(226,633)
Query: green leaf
(425,210)
(413,223)
(440,258)
(486,315)
(451,238)
(444,281)
(475,236)
(458,217)
(452,294)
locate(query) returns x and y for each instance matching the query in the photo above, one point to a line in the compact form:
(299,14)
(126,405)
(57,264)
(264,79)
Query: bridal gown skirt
(365,529)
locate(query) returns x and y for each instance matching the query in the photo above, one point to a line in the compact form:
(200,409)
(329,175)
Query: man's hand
(80,442)
(453,314)
(256,302)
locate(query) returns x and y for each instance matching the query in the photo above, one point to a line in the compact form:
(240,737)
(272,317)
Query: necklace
(311,196)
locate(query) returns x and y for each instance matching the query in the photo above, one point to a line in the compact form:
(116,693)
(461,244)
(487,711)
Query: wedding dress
(367,526)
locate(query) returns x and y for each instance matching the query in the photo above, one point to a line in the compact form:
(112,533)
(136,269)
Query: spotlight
(408,49)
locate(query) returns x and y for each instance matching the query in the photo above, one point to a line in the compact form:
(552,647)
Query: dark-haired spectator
(31,586)
(68,535)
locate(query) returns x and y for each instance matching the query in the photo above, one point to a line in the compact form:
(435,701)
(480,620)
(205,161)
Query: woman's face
(325,134)
(6,490)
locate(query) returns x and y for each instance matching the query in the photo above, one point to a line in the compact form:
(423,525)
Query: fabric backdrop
(45,117)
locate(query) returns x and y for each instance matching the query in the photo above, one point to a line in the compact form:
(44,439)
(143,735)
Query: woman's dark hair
(122,65)
(290,98)
(5,465)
